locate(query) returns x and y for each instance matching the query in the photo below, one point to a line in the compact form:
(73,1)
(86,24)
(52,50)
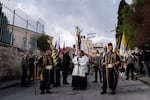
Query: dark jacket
(146,56)
(66,60)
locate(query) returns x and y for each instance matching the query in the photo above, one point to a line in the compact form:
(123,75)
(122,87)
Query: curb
(9,84)
(145,82)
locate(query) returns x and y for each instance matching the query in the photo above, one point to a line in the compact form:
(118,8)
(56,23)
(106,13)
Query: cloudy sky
(62,16)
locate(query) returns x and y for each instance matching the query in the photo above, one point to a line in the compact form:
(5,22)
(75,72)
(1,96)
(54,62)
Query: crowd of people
(106,66)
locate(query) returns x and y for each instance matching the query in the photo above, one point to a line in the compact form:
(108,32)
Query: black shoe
(49,92)
(113,93)
(74,88)
(24,85)
(29,83)
(57,84)
(94,81)
(83,88)
(103,92)
(54,85)
(42,92)
(66,83)
(127,79)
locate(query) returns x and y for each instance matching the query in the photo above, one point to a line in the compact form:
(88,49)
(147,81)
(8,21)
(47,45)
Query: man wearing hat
(46,64)
(111,62)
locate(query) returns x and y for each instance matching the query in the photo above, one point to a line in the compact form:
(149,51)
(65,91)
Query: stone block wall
(10,64)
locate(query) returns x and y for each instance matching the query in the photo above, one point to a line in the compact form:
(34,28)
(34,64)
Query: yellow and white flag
(123,45)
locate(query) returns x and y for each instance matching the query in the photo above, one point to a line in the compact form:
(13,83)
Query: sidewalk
(8,84)
(145,80)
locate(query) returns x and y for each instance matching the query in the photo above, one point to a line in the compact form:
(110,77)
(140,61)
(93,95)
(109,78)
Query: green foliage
(42,43)
(125,26)
(133,20)
(138,2)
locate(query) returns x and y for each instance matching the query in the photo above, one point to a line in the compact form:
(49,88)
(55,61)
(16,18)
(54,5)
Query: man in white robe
(79,71)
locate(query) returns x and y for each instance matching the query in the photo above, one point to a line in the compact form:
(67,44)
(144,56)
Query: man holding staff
(46,64)
(110,62)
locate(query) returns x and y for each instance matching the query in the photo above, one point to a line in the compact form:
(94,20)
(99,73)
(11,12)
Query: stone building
(98,46)
(87,46)
(24,39)
(91,48)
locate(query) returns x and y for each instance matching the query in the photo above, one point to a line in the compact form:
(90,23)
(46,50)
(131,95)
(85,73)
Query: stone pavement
(11,83)
(130,90)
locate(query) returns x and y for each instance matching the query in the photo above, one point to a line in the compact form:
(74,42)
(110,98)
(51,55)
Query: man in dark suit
(101,59)
(24,70)
(31,68)
(96,62)
(66,64)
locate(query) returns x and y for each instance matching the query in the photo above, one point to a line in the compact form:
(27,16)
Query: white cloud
(129,1)
(62,16)
(114,1)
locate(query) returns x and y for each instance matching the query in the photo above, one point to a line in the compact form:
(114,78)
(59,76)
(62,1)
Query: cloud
(62,16)
(65,37)
(129,1)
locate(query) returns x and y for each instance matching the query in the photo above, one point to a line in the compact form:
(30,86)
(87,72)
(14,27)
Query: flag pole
(78,43)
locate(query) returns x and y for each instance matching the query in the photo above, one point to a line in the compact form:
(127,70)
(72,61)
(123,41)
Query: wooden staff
(107,76)
(107,73)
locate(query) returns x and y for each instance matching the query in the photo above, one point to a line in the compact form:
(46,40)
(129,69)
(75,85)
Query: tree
(134,21)
(124,26)
(138,2)
(42,43)
(140,20)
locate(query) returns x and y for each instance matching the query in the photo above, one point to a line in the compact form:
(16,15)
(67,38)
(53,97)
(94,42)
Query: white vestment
(82,69)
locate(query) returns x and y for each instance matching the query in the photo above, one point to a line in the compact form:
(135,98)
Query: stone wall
(10,64)
(19,33)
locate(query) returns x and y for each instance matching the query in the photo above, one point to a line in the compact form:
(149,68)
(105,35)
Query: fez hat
(109,44)
(47,49)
